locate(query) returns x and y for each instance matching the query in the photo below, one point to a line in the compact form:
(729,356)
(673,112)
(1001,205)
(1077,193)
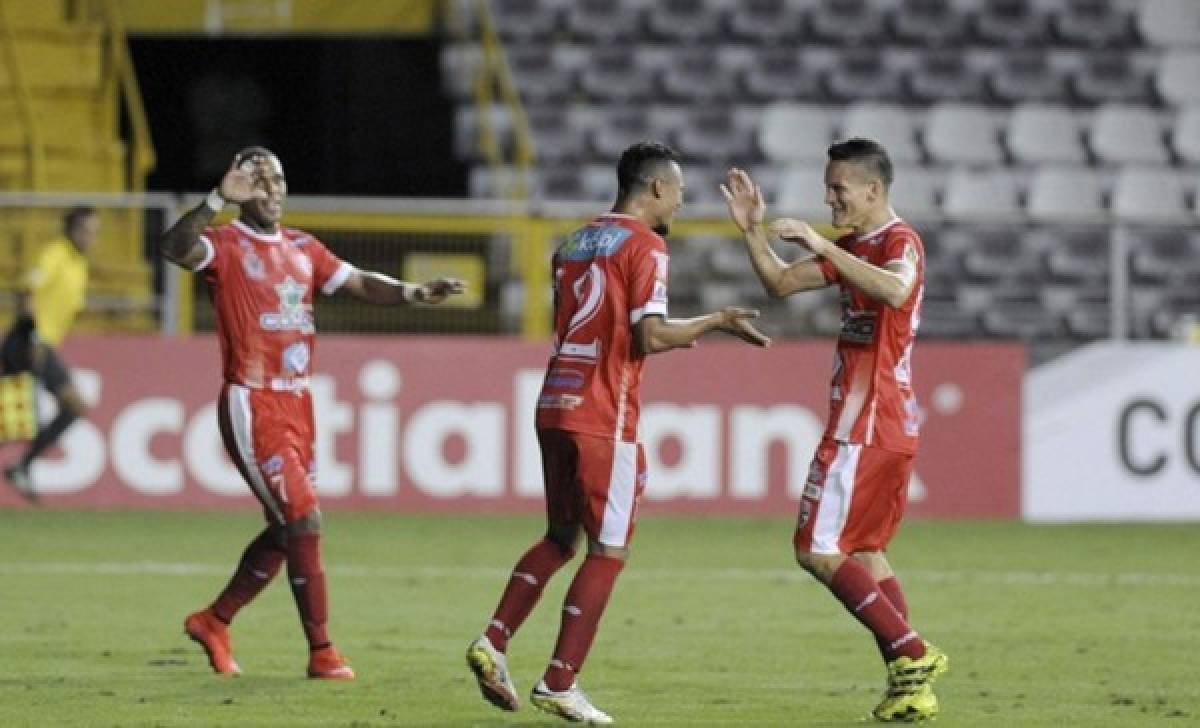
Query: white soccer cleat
(570,704)
(491,672)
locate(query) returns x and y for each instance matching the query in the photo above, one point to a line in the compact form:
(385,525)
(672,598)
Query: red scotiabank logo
(447,424)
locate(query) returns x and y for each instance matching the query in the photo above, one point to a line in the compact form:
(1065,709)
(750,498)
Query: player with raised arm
(610,312)
(262,278)
(858,484)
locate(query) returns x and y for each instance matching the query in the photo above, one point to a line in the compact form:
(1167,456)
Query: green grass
(711,624)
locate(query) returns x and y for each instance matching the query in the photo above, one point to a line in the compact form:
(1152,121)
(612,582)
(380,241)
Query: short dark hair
(254,151)
(867,153)
(640,163)
(76,215)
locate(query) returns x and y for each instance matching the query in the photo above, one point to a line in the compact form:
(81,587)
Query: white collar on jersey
(275,237)
(867,236)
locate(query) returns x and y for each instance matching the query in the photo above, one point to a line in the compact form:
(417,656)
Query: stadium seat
(764,21)
(847,23)
(996,254)
(962,134)
(802,191)
(1038,134)
(560,135)
(459,64)
(865,74)
(895,127)
(1128,134)
(1092,23)
(795,133)
(1114,78)
(1028,76)
(946,75)
(467,130)
(617,127)
(526,20)
(782,74)
(683,21)
(1169,22)
(1177,79)
(975,195)
(1016,23)
(614,74)
(545,73)
(946,320)
(718,133)
(916,192)
(695,75)
(1185,135)
(1078,256)
(603,21)
(1162,256)
(928,23)
(1150,195)
(1066,194)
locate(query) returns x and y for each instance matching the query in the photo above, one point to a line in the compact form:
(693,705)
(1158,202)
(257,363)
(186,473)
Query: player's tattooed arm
(181,244)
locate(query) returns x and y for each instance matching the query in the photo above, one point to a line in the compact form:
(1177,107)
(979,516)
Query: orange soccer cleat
(213,635)
(327,664)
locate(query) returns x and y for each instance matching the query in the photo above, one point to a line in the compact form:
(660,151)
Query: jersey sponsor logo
(559,401)
(565,379)
(912,417)
(296,358)
(858,327)
(272,465)
(293,313)
(594,242)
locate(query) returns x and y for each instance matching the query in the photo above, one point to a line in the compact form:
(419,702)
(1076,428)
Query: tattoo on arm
(181,243)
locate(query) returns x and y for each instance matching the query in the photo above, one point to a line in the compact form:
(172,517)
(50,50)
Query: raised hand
(737,322)
(439,290)
(800,232)
(744,198)
(240,183)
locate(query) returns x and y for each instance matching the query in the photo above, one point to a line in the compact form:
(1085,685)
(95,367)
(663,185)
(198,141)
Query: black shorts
(17,355)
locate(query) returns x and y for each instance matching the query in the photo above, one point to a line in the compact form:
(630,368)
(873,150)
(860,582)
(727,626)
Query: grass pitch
(711,624)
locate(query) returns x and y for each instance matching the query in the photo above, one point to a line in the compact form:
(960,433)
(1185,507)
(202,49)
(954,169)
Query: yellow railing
(122,88)
(35,148)
(494,74)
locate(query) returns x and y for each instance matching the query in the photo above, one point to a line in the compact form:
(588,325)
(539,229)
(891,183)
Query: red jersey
(872,400)
(262,289)
(607,276)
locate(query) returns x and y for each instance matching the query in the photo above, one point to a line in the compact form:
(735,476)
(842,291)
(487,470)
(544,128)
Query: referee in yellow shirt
(56,292)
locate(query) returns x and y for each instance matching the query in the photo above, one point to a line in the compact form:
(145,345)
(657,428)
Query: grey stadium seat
(1169,22)
(962,134)
(847,22)
(1028,75)
(916,192)
(1114,78)
(865,74)
(1150,195)
(946,75)
(1178,77)
(784,73)
(980,195)
(1128,134)
(603,21)
(1037,134)
(764,21)
(1017,23)
(1185,135)
(802,192)
(683,21)
(895,127)
(1094,23)
(1066,194)
(795,132)
(928,23)
(526,20)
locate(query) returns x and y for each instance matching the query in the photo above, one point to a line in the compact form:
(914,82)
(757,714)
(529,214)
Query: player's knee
(308,523)
(564,537)
(595,548)
(821,566)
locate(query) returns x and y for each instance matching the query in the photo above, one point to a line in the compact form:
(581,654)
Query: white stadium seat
(1185,135)
(1128,134)
(1150,195)
(1178,77)
(1039,134)
(1066,194)
(1169,22)
(962,134)
(895,127)
(795,132)
(979,195)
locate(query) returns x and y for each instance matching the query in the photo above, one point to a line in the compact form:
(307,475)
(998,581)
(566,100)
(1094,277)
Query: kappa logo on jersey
(293,313)
(296,358)
(251,263)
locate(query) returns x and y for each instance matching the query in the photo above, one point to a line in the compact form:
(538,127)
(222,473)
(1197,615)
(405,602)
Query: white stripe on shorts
(241,420)
(834,507)
(622,489)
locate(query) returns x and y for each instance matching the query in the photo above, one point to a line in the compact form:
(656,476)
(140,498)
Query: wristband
(214,201)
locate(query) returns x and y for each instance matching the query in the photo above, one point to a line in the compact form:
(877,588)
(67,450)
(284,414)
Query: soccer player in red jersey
(262,278)
(858,483)
(610,312)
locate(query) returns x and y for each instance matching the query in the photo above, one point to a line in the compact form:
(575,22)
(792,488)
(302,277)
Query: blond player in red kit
(858,483)
(262,278)
(610,312)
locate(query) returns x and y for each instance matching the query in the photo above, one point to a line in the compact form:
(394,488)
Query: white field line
(1002,578)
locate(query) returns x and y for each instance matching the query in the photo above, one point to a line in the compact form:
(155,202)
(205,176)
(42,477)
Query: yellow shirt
(57,289)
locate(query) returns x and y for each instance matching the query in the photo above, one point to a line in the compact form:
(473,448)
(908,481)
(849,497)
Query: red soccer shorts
(269,436)
(593,481)
(853,500)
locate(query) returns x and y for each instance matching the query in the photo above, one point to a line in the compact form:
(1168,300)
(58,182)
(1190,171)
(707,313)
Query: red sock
(524,589)
(260,563)
(853,586)
(891,589)
(582,609)
(308,586)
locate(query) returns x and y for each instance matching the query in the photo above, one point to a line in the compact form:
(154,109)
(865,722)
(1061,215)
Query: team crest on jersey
(296,358)
(293,313)
(251,263)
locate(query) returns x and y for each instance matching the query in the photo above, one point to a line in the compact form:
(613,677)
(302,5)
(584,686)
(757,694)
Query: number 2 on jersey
(589,295)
